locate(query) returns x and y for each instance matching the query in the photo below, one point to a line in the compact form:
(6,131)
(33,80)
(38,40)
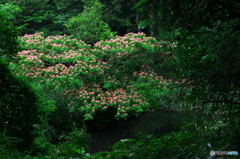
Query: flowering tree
(139,61)
(92,80)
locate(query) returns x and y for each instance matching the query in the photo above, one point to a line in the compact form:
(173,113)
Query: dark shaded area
(101,119)
(18,109)
(157,123)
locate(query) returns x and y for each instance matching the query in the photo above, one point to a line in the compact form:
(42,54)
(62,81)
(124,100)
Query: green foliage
(88,25)
(10,10)
(51,17)
(45,15)
(207,53)
(133,53)
(191,142)
(213,60)
(137,58)
(18,103)
(77,84)
(8,33)
(120,77)
(207,49)
(121,16)
(7,144)
(83,81)
(19,109)
(72,143)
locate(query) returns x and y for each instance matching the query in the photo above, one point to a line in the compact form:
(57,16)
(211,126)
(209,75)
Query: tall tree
(18,103)
(88,25)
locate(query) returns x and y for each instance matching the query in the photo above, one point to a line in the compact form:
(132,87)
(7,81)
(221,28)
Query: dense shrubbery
(70,82)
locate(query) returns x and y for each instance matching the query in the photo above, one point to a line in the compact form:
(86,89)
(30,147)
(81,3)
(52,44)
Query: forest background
(69,65)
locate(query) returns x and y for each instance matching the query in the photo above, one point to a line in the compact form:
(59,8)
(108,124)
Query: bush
(19,108)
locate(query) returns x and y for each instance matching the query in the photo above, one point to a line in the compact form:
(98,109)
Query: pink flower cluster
(92,101)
